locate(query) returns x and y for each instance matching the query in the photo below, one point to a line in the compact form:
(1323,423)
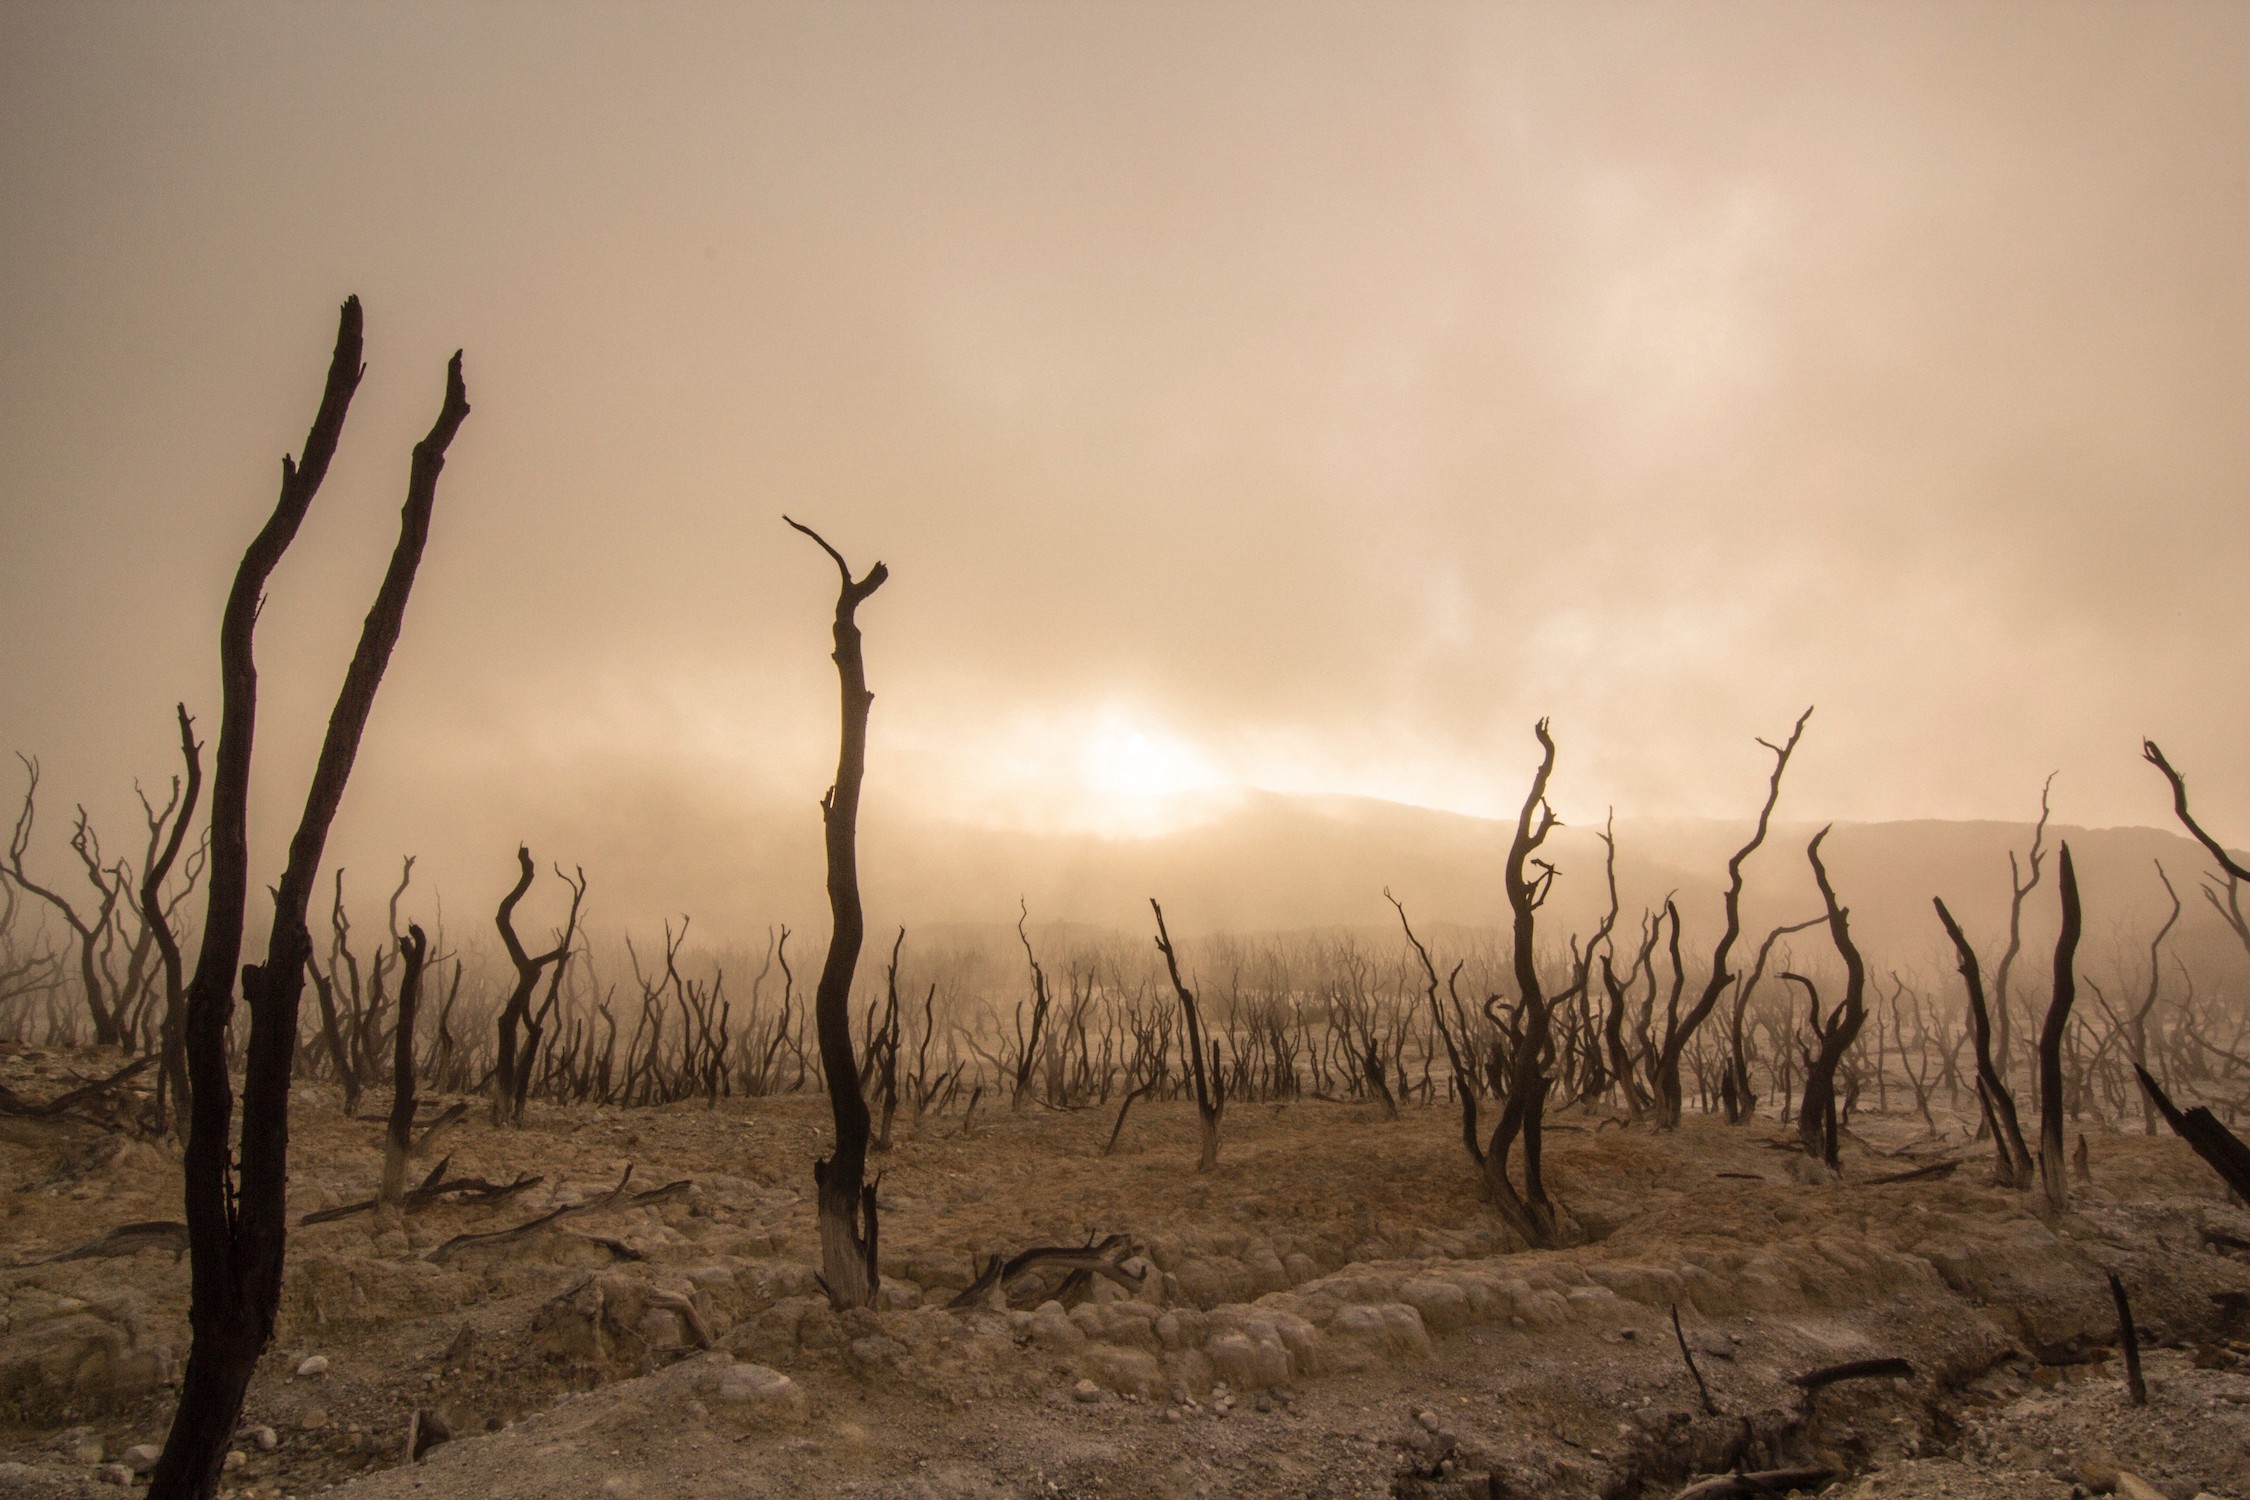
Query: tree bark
(1816,1110)
(2053,1173)
(237,1229)
(1992,1090)
(847,1202)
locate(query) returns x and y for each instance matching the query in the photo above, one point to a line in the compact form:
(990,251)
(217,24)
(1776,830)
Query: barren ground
(1331,1312)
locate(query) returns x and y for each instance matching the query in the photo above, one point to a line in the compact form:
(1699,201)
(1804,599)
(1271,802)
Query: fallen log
(1855,1369)
(1930,1173)
(611,1199)
(126,1239)
(1090,1259)
(1764,1482)
(12,1103)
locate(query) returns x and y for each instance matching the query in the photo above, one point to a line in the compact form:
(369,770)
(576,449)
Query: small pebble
(114,1474)
(266,1438)
(1086,1391)
(311,1366)
(141,1457)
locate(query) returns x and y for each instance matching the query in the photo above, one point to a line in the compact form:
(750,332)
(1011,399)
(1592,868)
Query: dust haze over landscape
(1298,400)
(1484,511)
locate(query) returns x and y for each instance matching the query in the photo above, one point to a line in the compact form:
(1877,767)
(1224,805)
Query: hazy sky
(1298,397)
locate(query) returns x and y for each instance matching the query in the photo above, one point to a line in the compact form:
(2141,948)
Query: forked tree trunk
(2014,1166)
(2053,1172)
(847,1202)
(1522,1112)
(1816,1111)
(237,1229)
(1678,1034)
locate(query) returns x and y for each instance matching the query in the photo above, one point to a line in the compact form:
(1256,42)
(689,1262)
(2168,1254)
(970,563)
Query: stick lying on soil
(1934,1170)
(434,1188)
(12,1103)
(1857,1369)
(1764,1482)
(1090,1259)
(126,1239)
(529,1227)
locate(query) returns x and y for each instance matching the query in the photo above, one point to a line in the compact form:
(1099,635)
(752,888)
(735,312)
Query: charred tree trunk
(2053,1173)
(511,1078)
(847,1201)
(398,1134)
(237,1228)
(1210,1083)
(1522,1112)
(2014,1166)
(1816,1111)
(1677,1036)
(172,1084)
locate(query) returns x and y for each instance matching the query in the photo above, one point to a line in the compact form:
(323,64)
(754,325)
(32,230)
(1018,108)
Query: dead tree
(157,917)
(237,1231)
(1816,1111)
(511,1079)
(92,931)
(1210,1083)
(1027,1048)
(847,1201)
(2230,907)
(2020,886)
(1735,1092)
(1678,1033)
(398,1134)
(2013,1168)
(2053,1174)
(1528,879)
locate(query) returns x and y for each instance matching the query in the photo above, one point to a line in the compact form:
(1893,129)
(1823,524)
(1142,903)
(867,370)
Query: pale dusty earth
(1332,1312)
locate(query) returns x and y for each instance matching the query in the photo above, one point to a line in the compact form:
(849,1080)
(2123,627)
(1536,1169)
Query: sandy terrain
(1331,1312)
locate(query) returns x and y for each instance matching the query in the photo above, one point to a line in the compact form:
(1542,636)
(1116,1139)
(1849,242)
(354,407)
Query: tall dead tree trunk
(847,1201)
(1522,1114)
(398,1131)
(1210,1083)
(1816,1107)
(237,1226)
(172,1082)
(2014,1166)
(2053,1171)
(1677,1036)
(511,1079)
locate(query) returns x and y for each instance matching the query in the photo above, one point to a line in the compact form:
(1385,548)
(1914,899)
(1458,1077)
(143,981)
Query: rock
(81,1445)
(114,1474)
(750,1398)
(312,1366)
(266,1439)
(877,1351)
(313,1418)
(1086,1391)
(2099,1476)
(1428,1419)
(141,1457)
(235,1459)
(2130,1486)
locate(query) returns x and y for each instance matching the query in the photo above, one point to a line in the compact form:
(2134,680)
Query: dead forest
(445,1053)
